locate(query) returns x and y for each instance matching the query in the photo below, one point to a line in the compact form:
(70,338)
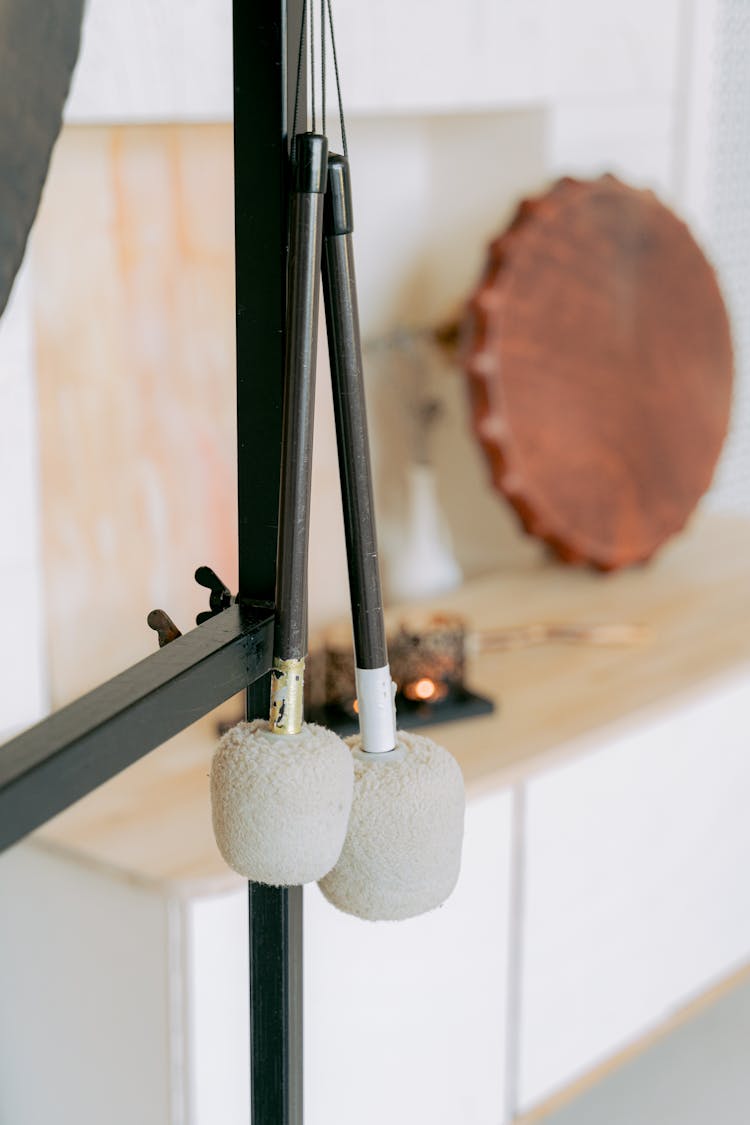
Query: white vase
(424,564)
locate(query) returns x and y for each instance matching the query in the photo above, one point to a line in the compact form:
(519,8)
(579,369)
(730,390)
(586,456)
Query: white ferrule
(377,710)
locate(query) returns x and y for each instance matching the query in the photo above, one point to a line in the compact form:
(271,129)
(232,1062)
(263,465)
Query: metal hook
(220,599)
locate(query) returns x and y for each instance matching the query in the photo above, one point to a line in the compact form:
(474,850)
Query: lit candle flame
(425,690)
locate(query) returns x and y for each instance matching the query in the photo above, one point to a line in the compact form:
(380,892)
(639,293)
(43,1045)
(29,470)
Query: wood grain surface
(599,363)
(154,821)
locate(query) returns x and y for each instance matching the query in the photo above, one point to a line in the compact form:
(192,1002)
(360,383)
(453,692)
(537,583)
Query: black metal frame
(68,755)
(265,72)
(63,758)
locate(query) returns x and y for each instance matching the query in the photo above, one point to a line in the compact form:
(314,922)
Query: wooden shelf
(153,824)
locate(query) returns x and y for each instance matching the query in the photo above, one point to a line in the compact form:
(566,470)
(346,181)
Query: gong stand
(58,761)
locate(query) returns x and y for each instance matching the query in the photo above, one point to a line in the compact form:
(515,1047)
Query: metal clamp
(219,600)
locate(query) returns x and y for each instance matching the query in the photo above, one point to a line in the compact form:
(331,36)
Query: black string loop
(298,83)
(326,9)
(323,62)
(338,79)
(312,66)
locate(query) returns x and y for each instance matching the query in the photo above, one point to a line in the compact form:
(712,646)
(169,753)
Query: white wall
(718,183)
(153,60)
(454,114)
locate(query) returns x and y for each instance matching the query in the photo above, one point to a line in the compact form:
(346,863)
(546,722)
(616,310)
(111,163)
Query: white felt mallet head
(281,790)
(281,802)
(402,852)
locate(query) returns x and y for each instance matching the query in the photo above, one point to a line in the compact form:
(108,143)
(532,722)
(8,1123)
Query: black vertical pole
(266,36)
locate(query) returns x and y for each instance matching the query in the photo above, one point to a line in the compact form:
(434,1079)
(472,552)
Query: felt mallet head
(402,853)
(281,802)
(281,790)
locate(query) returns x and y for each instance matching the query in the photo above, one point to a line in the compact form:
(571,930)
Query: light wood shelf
(152,823)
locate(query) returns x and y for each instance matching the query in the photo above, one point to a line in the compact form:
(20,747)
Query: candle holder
(428,664)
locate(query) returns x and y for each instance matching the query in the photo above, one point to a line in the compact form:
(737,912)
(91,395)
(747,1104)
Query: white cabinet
(86,1015)
(130,1003)
(599,895)
(405,1021)
(636,891)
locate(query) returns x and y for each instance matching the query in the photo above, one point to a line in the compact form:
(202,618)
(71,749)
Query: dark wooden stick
(305,236)
(342,321)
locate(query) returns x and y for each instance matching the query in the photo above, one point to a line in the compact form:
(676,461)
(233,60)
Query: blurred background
(592,969)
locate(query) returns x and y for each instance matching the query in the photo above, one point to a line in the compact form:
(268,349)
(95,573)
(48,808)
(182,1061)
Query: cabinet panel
(405,1021)
(215,1016)
(636,888)
(86,1008)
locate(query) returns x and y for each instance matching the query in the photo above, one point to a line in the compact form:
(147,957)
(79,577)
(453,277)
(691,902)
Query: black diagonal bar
(266,37)
(61,759)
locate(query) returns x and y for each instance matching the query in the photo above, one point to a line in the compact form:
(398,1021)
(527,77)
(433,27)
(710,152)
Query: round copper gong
(599,361)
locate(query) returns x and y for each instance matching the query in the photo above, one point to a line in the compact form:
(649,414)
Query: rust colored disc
(599,360)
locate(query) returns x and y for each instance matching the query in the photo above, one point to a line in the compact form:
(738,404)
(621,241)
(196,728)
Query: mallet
(402,851)
(281,789)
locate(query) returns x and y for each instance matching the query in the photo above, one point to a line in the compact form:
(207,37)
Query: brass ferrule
(287,696)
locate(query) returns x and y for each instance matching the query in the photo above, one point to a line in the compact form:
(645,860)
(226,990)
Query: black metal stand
(60,760)
(265,41)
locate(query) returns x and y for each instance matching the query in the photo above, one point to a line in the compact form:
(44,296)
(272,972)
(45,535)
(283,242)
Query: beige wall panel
(134,323)
(134,292)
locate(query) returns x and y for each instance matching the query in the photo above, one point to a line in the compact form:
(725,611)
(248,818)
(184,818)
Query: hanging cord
(298,83)
(323,62)
(338,80)
(324,5)
(312,66)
